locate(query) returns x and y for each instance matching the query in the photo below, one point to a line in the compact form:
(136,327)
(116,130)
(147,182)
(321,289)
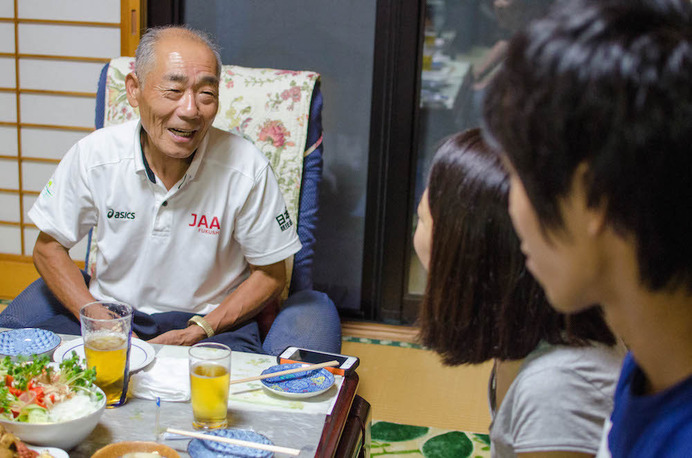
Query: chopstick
(286,372)
(241,443)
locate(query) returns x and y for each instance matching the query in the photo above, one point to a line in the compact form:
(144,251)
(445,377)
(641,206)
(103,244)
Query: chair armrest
(309,198)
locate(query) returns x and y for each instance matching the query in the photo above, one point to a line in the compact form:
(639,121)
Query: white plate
(54,452)
(141,353)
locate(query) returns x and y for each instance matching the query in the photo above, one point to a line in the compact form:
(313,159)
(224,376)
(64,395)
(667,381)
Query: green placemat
(393,440)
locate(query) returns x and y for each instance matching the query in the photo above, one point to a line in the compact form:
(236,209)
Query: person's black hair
(480,301)
(607,83)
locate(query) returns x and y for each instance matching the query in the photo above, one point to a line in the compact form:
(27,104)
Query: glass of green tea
(106,330)
(210,376)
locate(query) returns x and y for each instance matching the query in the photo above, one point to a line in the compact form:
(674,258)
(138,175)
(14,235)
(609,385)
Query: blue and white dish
(299,385)
(198,448)
(27,342)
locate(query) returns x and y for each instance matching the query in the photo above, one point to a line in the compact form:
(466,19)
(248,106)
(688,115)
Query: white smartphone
(347,364)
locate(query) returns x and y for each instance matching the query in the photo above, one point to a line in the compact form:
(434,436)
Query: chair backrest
(280,111)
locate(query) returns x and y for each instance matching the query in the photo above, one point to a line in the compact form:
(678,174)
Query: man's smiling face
(178,98)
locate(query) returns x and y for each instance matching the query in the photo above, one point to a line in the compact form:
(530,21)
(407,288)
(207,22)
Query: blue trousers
(308,319)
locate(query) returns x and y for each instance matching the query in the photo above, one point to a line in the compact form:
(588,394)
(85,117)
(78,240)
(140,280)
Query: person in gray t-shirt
(558,400)
(552,386)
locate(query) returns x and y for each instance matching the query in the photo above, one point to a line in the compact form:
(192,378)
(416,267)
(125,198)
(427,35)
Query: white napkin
(167,378)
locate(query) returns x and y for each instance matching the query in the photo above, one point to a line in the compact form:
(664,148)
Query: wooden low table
(337,434)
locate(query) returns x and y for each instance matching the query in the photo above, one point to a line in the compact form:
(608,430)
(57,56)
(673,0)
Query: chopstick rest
(286,372)
(238,442)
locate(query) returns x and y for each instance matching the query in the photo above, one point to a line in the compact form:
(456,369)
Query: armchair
(280,112)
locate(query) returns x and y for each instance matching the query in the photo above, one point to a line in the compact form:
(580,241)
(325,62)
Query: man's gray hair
(145,55)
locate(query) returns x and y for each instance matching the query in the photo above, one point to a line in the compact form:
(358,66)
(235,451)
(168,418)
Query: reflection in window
(464,45)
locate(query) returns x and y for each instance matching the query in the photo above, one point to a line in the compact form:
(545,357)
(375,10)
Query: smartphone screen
(315,358)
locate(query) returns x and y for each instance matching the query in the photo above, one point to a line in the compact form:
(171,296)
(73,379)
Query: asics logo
(120,215)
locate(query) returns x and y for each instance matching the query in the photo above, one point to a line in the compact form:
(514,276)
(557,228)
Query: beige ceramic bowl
(121,448)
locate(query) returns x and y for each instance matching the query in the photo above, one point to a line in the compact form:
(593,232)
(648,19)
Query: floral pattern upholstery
(269,107)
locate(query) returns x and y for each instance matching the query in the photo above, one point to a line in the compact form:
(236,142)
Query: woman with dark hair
(553,380)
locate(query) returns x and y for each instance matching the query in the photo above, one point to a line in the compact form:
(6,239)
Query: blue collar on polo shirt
(192,168)
(150,173)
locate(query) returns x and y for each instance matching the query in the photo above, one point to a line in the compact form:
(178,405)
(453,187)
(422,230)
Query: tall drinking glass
(106,329)
(210,375)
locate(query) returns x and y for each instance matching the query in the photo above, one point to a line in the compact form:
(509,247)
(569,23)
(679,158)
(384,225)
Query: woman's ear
(132,88)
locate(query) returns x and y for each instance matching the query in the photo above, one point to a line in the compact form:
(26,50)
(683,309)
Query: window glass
(464,45)
(335,39)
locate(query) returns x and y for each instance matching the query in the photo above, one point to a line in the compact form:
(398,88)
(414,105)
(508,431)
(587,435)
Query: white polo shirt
(161,250)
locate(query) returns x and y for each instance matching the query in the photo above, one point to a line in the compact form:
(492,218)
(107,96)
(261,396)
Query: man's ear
(596,215)
(132,88)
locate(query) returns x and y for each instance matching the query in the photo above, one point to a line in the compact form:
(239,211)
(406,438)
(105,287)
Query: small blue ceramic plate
(298,385)
(27,342)
(198,448)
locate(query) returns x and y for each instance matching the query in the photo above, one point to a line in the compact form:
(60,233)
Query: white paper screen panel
(7,74)
(8,107)
(11,239)
(9,174)
(56,75)
(71,10)
(8,141)
(28,202)
(48,143)
(35,175)
(30,235)
(57,109)
(9,207)
(6,37)
(67,40)
(7,8)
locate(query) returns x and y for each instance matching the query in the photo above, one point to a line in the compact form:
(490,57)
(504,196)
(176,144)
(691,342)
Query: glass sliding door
(463,46)
(335,39)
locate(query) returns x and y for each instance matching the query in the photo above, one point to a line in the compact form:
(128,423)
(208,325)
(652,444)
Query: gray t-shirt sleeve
(558,409)
(559,405)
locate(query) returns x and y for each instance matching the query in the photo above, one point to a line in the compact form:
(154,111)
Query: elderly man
(188,215)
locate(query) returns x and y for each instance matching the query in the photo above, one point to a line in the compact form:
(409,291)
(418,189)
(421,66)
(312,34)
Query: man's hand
(186,337)
(246,301)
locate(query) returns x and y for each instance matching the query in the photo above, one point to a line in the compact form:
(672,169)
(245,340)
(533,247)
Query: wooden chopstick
(286,372)
(241,443)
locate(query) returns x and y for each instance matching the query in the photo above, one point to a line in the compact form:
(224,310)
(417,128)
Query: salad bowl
(65,434)
(43,403)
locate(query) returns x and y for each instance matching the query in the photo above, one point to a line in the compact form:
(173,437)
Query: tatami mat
(410,386)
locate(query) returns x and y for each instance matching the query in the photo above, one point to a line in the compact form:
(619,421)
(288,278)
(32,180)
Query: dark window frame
(392,167)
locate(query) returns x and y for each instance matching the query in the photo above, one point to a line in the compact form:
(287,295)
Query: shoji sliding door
(51,54)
